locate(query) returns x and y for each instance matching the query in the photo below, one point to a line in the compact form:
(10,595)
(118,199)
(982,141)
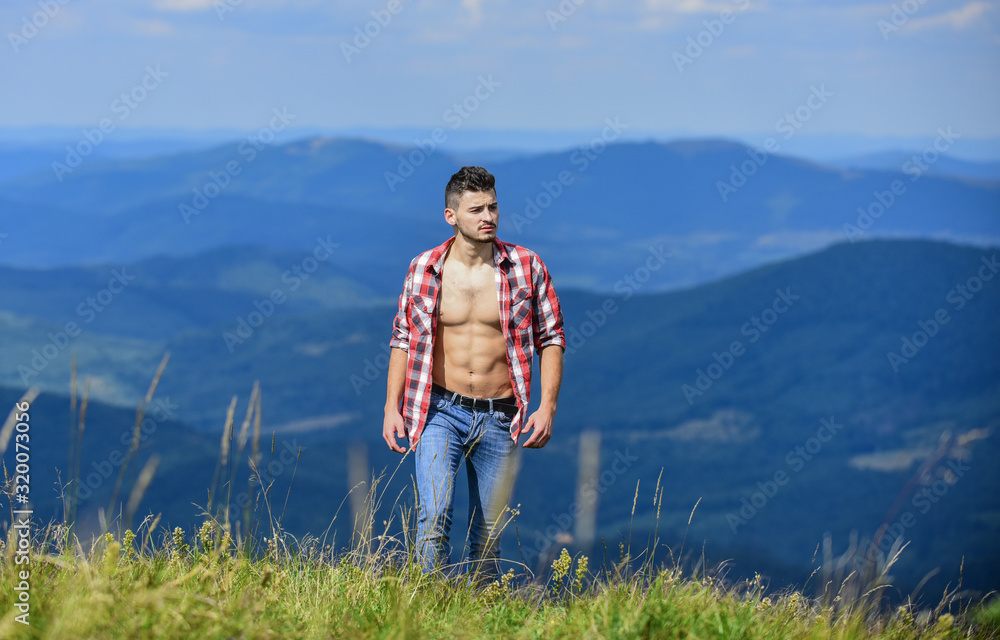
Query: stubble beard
(480,237)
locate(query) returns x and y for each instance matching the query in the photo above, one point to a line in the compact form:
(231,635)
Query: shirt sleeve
(548,318)
(401,324)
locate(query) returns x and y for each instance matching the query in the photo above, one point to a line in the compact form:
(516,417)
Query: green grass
(201,586)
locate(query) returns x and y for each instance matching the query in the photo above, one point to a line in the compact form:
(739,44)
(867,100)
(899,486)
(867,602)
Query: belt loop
(491,405)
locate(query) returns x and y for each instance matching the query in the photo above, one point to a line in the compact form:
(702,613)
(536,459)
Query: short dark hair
(467,179)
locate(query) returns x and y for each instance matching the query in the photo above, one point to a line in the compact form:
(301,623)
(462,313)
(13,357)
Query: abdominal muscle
(470,351)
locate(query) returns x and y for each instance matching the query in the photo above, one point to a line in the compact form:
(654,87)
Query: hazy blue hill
(943,166)
(158,297)
(825,357)
(17,161)
(187,462)
(856,302)
(110,185)
(321,171)
(374,247)
(646,189)
(304,363)
(593,227)
(186,467)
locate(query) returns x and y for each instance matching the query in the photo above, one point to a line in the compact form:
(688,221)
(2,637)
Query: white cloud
(955,19)
(797,240)
(183,5)
(475,10)
(693,6)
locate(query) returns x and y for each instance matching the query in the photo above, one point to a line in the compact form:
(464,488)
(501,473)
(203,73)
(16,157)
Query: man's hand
(393,429)
(541,422)
(550,362)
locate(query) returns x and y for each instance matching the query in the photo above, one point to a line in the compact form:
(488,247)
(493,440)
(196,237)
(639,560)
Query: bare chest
(468,297)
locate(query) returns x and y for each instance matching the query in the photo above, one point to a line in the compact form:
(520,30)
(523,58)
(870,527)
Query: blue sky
(550,65)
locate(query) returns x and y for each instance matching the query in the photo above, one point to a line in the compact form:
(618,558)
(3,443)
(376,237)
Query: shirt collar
(437,257)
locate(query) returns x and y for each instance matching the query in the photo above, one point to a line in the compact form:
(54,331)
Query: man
(472,314)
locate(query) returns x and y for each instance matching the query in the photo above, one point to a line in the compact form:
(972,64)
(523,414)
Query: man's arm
(550,365)
(393,427)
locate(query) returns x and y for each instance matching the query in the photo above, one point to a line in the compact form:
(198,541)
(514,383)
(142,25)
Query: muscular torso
(470,352)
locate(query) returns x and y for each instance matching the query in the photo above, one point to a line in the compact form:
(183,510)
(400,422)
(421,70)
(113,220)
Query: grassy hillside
(184,584)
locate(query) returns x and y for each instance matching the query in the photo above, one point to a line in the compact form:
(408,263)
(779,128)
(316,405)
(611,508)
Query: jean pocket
(503,419)
(438,401)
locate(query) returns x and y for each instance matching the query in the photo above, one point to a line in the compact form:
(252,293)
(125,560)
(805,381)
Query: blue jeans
(483,439)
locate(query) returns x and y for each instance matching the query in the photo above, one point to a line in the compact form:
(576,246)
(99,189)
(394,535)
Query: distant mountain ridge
(899,160)
(591,211)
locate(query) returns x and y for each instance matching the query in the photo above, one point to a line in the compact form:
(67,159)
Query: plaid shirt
(529,316)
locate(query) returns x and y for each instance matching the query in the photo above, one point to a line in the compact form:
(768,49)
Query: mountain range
(719,207)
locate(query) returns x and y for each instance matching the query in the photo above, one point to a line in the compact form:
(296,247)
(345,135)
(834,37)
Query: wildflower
(111,555)
(180,545)
(207,536)
(560,567)
(581,572)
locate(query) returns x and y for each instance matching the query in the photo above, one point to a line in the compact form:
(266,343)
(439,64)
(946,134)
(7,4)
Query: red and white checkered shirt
(530,317)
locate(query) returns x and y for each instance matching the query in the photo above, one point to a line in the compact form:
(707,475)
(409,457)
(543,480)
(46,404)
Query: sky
(687,67)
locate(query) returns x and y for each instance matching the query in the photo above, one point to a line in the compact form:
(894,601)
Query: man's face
(477,216)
